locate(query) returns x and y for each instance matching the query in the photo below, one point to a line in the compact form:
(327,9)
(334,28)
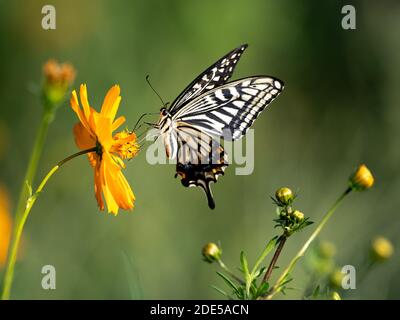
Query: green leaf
(228,282)
(245,267)
(270,245)
(262,289)
(259,272)
(221,292)
(316,292)
(244,264)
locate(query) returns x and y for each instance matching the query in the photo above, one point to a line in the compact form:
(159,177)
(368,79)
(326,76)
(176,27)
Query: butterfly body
(211,108)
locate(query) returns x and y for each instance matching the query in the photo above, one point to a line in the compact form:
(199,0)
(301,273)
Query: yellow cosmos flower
(95,130)
(5,226)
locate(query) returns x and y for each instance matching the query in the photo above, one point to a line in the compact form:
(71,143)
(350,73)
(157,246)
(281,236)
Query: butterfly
(208,109)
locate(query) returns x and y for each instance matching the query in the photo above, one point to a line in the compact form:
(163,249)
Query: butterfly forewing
(214,76)
(230,110)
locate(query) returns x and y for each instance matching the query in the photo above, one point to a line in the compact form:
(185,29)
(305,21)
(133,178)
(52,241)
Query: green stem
(226,269)
(19,226)
(34,160)
(277,287)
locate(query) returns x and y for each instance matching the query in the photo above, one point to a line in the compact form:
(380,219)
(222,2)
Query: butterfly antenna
(141,117)
(154,90)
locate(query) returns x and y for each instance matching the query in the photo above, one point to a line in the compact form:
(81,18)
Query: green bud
(298,215)
(211,252)
(335,279)
(326,250)
(334,296)
(57,80)
(381,249)
(284,196)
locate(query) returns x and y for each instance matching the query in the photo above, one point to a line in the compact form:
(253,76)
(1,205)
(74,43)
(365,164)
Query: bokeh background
(340,107)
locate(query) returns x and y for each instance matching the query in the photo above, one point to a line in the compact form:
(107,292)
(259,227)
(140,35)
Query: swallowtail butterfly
(210,108)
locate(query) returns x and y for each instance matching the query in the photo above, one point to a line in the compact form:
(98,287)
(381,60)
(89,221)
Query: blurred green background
(340,107)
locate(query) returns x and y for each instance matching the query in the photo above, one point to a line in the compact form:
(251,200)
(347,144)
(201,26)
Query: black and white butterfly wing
(229,110)
(214,76)
(201,160)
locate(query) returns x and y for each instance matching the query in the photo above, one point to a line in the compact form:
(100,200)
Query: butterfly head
(165,120)
(164,112)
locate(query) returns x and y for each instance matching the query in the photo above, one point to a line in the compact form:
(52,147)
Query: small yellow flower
(5,226)
(58,78)
(95,130)
(211,252)
(298,215)
(362,178)
(381,249)
(284,195)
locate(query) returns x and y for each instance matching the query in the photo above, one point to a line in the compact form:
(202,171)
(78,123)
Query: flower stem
(232,275)
(272,264)
(34,160)
(20,223)
(277,287)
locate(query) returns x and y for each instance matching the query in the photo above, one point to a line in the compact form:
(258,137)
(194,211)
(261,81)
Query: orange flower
(95,130)
(5,226)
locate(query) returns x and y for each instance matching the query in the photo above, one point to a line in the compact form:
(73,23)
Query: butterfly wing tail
(199,175)
(207,190)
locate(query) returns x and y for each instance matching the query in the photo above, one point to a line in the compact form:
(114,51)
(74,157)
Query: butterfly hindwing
(215,75)
(201,160)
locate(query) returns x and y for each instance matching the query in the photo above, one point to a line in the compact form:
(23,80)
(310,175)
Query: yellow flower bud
(298,215)
(381,249)
(335,296)
(284,195)
(326,250)
(211,252)
(361,179)
(335,279)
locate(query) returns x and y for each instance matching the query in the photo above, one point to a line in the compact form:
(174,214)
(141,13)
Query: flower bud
(361,179)
(381,249)
(335,279)
(334,296)
(211,252)
(298,215)
(58,78)
(326,250)
(284,196)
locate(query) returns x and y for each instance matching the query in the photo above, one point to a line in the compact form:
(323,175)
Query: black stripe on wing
(201,160)
(231,109)
(214,76)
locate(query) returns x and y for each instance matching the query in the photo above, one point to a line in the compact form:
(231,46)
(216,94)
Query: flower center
(125,144)
(99,149)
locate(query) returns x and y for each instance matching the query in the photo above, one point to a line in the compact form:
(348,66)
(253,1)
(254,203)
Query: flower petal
(81,116)
(84,100)
(112,206)
(118,185)
(117,123)
(83,138)
(111,103)
(103,131)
